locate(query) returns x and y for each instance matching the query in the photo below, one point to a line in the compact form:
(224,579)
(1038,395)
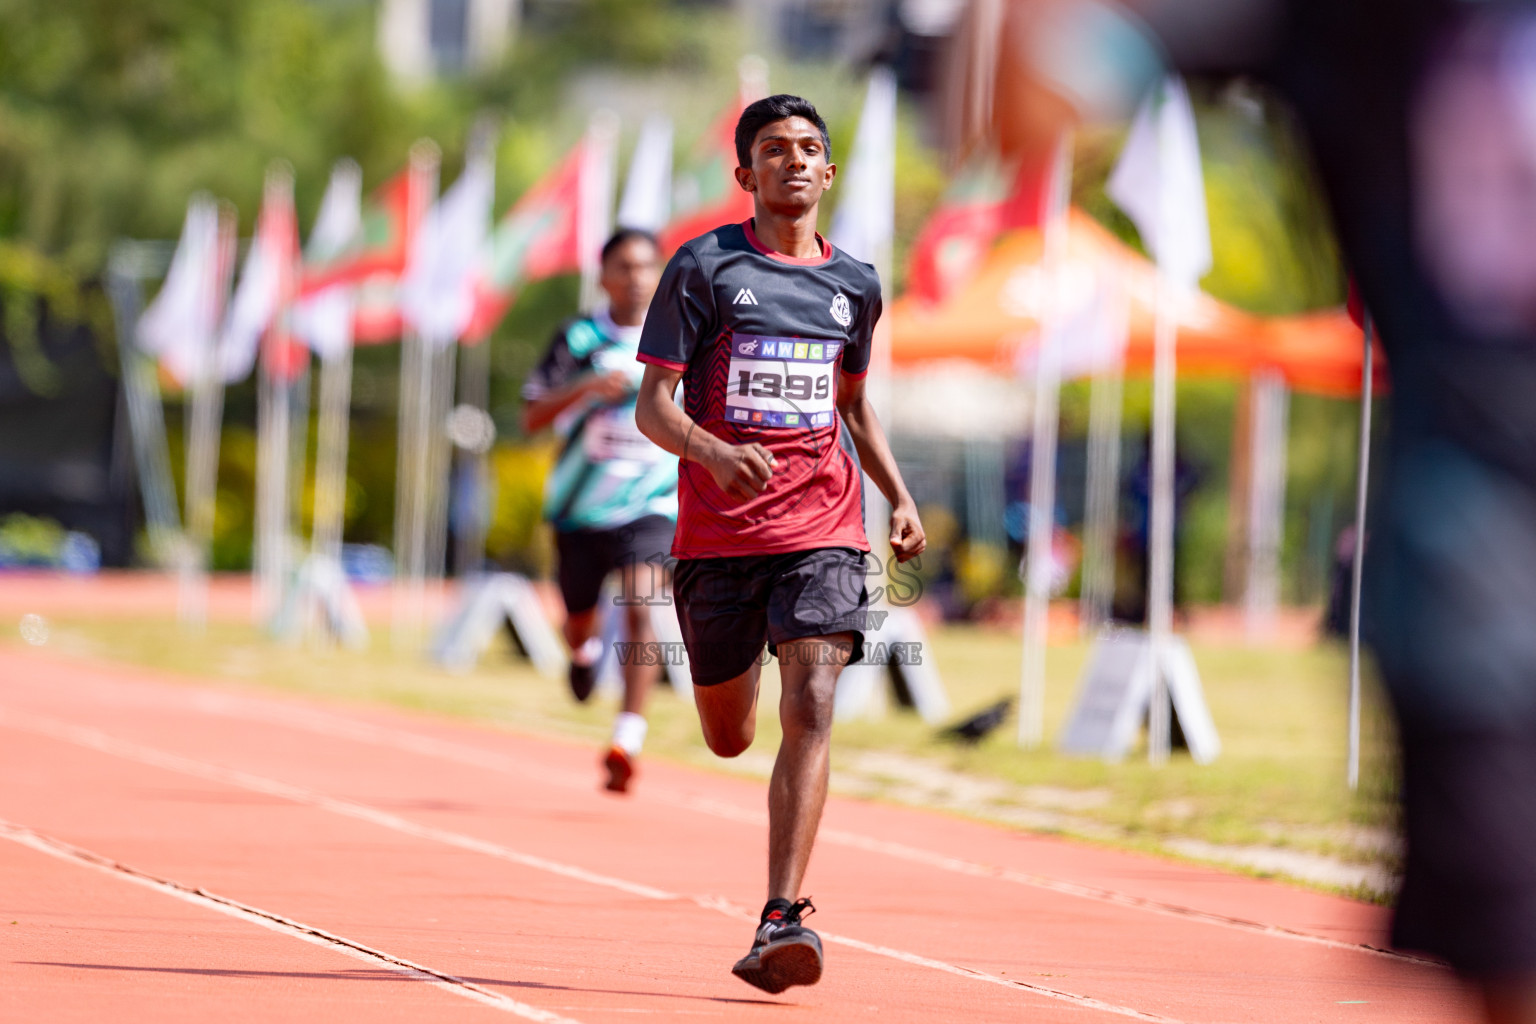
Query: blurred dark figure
(1421,115)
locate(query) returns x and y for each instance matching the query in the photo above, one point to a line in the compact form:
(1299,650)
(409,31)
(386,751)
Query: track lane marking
(334,726)
(95,739)
(276,922)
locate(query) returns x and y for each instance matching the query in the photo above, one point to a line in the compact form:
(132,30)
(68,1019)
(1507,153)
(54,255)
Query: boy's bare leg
(728,712)
(809,668)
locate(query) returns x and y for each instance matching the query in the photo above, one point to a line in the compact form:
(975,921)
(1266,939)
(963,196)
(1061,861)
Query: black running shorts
(728,607)
(588,556)
(1469,809)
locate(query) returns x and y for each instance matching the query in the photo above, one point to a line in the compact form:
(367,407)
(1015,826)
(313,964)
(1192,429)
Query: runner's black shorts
(588,556)
(1469,810)
(728,607)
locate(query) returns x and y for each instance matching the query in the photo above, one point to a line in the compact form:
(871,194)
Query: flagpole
(410,468)
(474,370)
(1105,404)
(474,393)
(1042,475)
(203,430)
(1358,558)
(1266,502)
(596,187)
(1162,497)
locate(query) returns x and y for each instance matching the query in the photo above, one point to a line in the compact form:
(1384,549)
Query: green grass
(1280,713)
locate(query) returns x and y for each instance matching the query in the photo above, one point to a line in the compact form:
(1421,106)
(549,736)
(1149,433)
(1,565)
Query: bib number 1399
(797,387)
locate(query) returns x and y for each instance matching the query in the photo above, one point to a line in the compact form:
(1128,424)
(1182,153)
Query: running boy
(770,328)
(613,494)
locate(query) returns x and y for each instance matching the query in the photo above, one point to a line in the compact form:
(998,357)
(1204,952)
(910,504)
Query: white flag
(178,327)
(437,289)
(1158,183)
(262,281)
(647,201)
(323,321)
(865,220)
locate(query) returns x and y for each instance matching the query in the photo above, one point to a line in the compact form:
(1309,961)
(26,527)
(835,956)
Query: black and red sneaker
(784,952)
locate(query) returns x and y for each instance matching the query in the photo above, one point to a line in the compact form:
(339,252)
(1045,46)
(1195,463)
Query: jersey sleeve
(861,338)
(558,367)
(682,315)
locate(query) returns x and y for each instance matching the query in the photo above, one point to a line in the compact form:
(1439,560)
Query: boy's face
(629,276)
(789,169)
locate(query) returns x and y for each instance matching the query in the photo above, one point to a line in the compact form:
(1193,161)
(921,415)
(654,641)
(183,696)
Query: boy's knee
(727,742)
(810,709)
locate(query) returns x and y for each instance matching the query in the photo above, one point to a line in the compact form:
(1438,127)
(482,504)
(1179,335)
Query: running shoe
(583,679)
(621,768)
(784,952)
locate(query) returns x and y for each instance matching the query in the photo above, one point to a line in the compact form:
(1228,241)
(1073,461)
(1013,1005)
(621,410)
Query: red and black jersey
(760,338)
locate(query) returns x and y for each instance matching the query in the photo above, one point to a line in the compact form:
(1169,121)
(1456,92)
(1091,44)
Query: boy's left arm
(906,538)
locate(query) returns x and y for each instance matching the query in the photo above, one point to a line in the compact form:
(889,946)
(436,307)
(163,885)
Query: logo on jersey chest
(841,312)
(745,298)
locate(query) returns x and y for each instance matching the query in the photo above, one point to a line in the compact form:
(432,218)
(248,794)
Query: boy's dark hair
(765,112)
(622,235)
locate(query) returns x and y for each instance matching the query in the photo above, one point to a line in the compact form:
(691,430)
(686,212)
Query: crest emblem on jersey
(841,312)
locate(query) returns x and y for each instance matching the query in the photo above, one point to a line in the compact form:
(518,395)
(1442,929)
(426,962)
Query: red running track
(178,851)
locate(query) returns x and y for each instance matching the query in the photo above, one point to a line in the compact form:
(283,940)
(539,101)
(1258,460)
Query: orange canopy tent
(994,320)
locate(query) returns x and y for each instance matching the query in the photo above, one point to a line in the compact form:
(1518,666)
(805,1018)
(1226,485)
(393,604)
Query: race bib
(610,435)
(781,382)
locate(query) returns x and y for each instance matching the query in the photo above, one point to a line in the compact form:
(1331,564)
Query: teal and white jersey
(608,473)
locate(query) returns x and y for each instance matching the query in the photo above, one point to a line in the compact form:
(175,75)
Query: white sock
(629,732)
(587,654)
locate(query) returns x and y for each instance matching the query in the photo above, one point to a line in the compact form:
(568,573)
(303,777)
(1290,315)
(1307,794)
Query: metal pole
(1356,574)
(1163,498)
(1042,473)
(1106,400)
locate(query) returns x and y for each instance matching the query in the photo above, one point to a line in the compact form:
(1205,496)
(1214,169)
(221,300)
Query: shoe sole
(781,965)
(619,773)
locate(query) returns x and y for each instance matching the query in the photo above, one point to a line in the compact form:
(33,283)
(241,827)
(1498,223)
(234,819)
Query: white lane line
(336,727)
(94,739)
(277,923)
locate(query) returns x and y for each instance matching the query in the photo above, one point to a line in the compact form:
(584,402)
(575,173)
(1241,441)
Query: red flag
(706,194)
(955,240)
(380,246)
(539,237)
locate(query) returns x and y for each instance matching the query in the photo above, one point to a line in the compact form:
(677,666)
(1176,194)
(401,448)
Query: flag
(436,293)
(647,201)
(865,221)
(543,234)
(179,325)
(983,202)
(379,245)
(704,193)
(322,319)
(1159,184)
(266,281)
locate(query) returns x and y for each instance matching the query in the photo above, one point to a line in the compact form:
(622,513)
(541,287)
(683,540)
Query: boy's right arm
(540,412)
(741,470)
